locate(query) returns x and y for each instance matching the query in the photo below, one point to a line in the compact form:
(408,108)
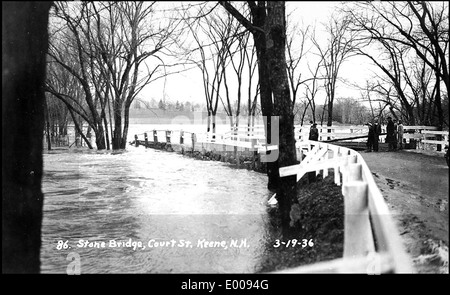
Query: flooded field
(147,211)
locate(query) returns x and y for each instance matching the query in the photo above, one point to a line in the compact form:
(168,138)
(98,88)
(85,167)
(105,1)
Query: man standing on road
(390,134)
(314,132)
(376,136)
(370,137)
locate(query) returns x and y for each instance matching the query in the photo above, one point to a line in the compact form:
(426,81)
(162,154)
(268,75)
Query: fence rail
(253,138)
(434,138)
(371,241)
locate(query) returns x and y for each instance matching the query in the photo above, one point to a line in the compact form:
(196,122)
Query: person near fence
(314,132)
(370,137)
(390,134)
(400,134)
(376,135)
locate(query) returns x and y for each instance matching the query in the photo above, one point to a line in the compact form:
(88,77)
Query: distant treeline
(159,116)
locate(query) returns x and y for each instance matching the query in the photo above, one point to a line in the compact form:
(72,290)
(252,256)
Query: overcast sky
(188,86)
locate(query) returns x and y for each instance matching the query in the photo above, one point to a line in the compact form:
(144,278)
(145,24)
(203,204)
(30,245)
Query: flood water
(164,205)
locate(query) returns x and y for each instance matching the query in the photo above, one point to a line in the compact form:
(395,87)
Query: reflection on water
(158,202)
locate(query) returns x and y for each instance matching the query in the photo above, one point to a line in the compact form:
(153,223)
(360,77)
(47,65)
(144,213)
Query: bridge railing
(167,136)
(434,138)
(238,138)
(242,136)
(331,132)
(371,240)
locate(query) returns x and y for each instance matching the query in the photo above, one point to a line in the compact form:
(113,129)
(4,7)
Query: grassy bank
(321,222)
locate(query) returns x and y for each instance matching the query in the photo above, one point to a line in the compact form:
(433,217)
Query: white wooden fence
(253,138)
(429,137)
(331,132)
(372,242)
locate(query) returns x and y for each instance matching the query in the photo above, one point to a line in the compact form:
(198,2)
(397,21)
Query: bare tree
(112,44)
(253,15)
(67,49)
(312,87)
(268,27)
(421,27)
(226,34)
(275,29)
(126,38)
(251,97)
(295,50)
(212,80)
(237,51)
(339,47)
(65,87)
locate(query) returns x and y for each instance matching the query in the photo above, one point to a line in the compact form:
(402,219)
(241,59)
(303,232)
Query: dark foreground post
(155,136)
(168,136)
(255,152)
(136,141)
(24,48)
(146,139)
(181,137)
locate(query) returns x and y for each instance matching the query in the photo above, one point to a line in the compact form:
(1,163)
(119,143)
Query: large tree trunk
(258,12)
(440,113)
(276,46)
(117,136)
(438,103)
(24,47)
(105,122)
(330,115)
(123,144)
(265,93)
(100,136)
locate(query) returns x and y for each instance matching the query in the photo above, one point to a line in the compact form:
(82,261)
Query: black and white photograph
(225,137)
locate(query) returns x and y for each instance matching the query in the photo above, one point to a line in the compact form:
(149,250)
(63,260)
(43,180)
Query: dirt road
(416,188)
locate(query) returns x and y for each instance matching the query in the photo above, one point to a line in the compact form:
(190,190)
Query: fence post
(255,151)
(155,136)
(354,171)
(337,173)
(193,141)
(324,158)
(325,170)
(358,239)
(136,141)
(168,136)
(146,139)
(318,170)
(345,169)
(181,137)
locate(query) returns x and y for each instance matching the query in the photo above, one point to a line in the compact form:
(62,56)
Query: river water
(162,206)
